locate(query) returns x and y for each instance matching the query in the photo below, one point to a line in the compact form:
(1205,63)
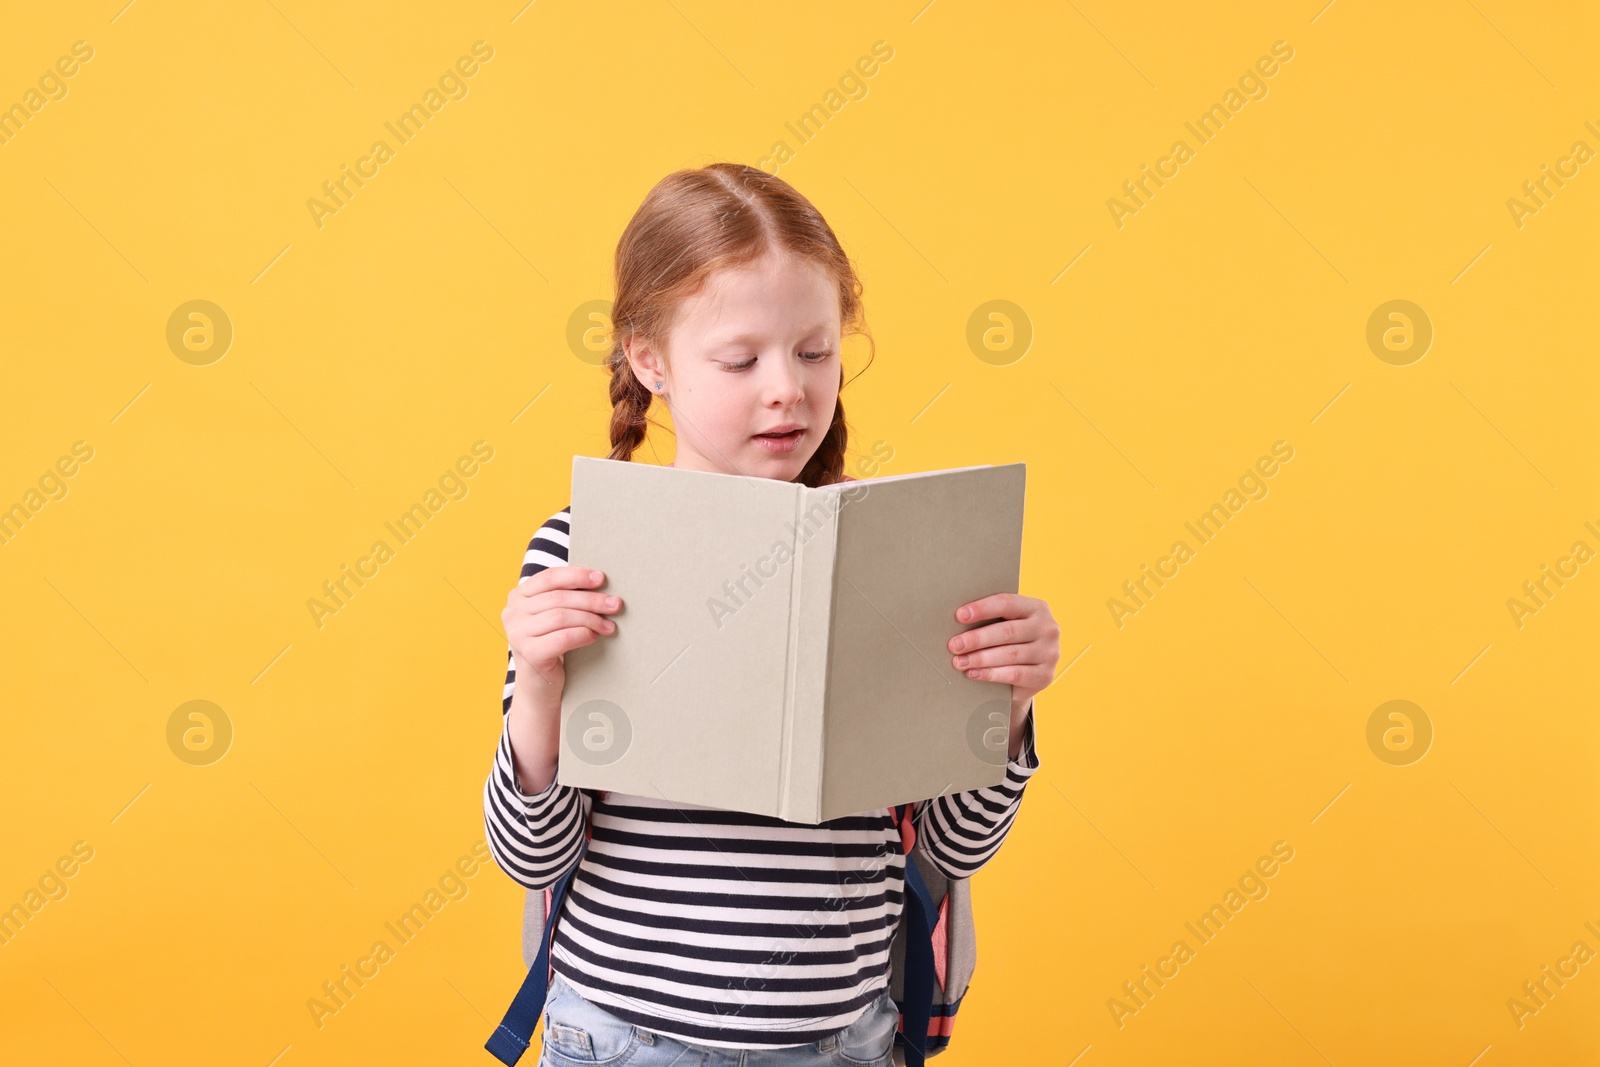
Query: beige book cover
(782,650)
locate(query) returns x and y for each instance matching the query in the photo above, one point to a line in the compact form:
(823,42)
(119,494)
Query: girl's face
(756,350)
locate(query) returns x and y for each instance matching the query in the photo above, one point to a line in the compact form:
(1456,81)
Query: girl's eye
(810,357)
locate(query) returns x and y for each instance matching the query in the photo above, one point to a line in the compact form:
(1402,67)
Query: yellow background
(1229,313)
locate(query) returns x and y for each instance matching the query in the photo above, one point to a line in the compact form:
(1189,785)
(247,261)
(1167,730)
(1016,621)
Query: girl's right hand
(548,615)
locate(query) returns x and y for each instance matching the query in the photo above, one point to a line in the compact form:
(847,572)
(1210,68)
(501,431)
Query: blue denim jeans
(580,1033)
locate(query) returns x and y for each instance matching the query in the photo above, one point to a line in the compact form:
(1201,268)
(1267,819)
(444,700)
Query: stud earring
(658,387)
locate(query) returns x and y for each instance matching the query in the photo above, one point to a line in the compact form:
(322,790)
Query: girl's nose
(784,385)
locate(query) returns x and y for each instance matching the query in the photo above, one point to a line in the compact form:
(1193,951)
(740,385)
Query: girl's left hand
(1022,647)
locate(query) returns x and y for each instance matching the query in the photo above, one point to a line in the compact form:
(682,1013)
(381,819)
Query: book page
(902,722)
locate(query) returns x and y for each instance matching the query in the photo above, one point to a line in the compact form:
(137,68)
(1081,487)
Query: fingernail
(964,614)
(594,576)
(612,601)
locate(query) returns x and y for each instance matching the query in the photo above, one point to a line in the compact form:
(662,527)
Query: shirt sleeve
(534,837)
(962,831)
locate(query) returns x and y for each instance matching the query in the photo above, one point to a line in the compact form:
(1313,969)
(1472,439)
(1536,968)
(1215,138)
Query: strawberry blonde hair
(695,222)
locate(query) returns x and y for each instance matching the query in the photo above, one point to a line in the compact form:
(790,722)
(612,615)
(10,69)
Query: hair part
(696,222)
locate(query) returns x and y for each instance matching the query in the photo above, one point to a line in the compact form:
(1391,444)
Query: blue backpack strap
(515,1032)
(917,984)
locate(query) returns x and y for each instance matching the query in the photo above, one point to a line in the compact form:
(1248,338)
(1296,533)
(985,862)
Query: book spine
(784,803)
(816,533)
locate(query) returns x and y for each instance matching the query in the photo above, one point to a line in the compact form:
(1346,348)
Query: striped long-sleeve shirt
(719,927)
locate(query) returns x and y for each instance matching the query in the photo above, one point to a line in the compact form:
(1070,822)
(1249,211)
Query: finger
(560,578)
(998,606)
(573,637)
(1004,632)
(573,598)
(558,643)
(1002,655)
(547,622)
(1013,674)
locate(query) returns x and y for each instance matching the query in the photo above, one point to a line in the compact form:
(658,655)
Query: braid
(630,406)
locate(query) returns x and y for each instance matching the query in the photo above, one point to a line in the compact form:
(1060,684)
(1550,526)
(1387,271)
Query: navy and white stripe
(719,927)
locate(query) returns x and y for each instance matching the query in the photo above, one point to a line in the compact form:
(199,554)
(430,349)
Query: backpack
(951,947)
(931,960)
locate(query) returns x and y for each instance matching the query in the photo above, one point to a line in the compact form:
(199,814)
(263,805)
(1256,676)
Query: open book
(782,650)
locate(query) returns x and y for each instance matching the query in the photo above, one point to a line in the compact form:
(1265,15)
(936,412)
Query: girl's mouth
(784,442)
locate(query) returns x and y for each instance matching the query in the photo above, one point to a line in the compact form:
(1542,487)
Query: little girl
(692,935)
